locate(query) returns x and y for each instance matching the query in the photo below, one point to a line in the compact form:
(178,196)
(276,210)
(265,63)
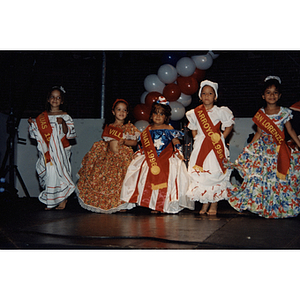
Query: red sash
(157,178)
(284,152)
(296,106)
(113,132)
(212,140)
(45,130)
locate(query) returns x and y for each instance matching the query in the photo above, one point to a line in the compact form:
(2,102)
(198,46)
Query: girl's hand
(121,142)
(180,156)
(60,120)
(64,125)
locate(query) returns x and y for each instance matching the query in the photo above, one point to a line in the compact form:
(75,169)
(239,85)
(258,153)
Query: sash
(212,140)
(45,130)
(157,178)
(284,152)
(296,106)
(112,132)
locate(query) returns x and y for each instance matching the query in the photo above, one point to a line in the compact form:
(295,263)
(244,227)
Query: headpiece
(214,85)
(273,77)
(119,100)
(60,88)
(162,100)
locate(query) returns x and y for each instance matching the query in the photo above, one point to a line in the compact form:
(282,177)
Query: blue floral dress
(261,191)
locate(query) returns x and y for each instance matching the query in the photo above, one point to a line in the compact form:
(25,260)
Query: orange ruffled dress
(102,172)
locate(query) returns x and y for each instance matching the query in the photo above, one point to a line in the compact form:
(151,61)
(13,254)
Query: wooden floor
(26,225)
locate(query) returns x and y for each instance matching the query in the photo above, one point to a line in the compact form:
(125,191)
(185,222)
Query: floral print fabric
(102,172)
(261,191)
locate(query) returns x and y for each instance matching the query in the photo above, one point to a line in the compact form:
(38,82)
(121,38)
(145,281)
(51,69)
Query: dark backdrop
(26,76)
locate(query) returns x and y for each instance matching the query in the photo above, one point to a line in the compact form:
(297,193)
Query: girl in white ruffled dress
(210,125)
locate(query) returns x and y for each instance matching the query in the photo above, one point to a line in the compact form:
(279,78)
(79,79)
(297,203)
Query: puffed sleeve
(288,114)
(131,132)
(71,134)
(192,125)
(226,117)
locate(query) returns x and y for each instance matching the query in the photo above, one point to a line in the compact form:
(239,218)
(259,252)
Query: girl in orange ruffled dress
(104,167)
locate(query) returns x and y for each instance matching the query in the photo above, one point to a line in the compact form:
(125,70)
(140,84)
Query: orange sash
(45,130)
(113,132)
(212,140)
(284,152)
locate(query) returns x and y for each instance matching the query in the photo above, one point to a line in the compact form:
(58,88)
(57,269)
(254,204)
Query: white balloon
(167,73)
(203,62)
(143,97)
(213,55)
(141,125)
(185,100)
(153,84)
(177,111)
(185,66)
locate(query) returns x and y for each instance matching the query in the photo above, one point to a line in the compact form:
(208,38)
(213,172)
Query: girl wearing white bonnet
(210,125)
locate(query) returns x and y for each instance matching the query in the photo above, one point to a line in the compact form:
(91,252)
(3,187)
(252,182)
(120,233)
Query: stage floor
(26,225)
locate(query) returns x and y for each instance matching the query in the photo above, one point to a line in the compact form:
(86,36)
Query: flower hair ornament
(119,100)
(162,100)
(273,77)
(59,88)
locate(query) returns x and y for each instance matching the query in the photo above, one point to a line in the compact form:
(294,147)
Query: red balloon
(199,74)
(172,92)
(151,98)
(141,112)
(188,85)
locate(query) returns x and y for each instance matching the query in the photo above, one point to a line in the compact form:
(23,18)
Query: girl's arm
(64,124)
(292,133)
(113,146)
(175,142)
(227,131)
(194,133)
(130,143)
(257,135)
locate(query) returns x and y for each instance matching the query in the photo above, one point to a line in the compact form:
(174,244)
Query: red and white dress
(210,184)
(167,192)
(53,165)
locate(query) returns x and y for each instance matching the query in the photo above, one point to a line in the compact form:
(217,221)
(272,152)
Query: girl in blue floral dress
(270,169)
(157,177)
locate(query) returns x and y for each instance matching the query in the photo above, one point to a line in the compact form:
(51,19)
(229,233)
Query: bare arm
(227,131)
(257,135)
(292,133)
(194,133)
(64,125)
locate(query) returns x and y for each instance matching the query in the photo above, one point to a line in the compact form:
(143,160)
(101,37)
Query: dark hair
(271,82)
(110,118)
(167,111)
(55,88)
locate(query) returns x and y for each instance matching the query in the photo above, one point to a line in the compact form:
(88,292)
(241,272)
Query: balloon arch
(176,84)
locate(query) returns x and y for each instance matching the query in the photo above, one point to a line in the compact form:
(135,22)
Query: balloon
(167,73)
(185,100)
(153,84)
(172,92)
(199,74)
(170,58)
(203,62)
(185,66)
(213,55)
(141,112)
(143,97)
(177,110)
(141,125)
(152,97)
(188,85)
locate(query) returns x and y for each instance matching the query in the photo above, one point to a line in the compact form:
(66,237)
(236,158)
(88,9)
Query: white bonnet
(214,85)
